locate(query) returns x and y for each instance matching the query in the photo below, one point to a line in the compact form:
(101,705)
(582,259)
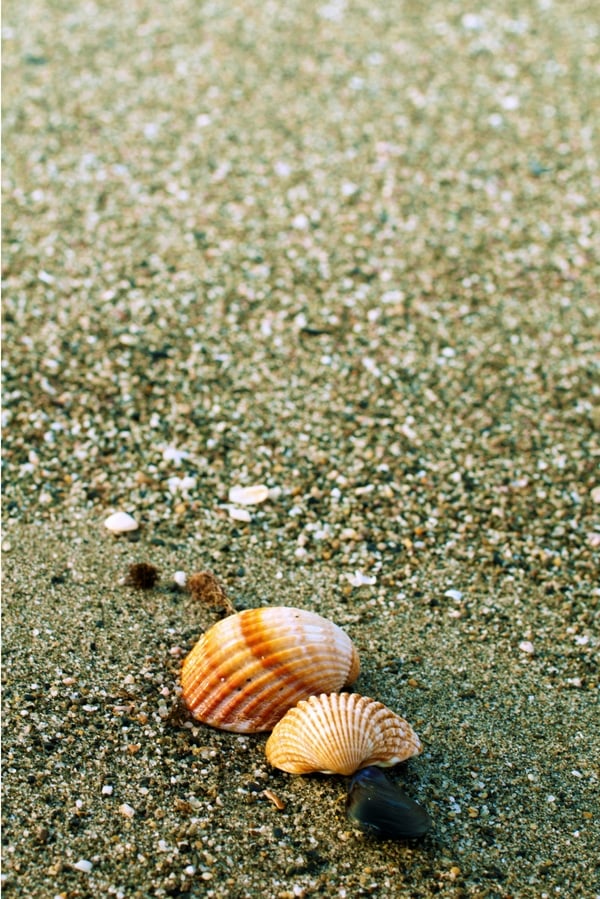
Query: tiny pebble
(526,646)
(120,523)
(454,594)
(127,810)
(358,579)
(180,578)
(107,790)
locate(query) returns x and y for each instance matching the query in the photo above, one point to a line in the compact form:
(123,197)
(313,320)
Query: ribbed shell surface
(247,670)
(338,734)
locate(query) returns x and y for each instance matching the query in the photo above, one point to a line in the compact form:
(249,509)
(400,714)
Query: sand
(347,251)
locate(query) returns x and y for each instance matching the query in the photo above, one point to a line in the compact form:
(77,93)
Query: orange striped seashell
(339,734)
(247,670)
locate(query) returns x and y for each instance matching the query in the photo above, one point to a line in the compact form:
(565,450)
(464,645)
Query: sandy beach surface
(348,251)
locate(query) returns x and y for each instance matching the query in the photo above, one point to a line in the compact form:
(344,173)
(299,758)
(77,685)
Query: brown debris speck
(142,576)
(205,588)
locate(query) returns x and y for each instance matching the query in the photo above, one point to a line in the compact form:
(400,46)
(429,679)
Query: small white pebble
(300,222)
(180,578)
(595,494)
(172,454)
(107,790)
(358,579)
(510,102)
(472,22)
(120,523)
(526,646)
(454,594)
(83,865)
(181,485)
(282,168)
(127,810)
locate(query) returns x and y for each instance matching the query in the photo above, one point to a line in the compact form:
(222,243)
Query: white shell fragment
(83,865)
(120,523)
(249,496)
(239,514)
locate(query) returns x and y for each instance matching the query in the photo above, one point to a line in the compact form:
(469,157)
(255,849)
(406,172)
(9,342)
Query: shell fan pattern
(339,734)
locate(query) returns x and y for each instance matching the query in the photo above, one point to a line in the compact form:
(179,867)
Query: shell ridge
(249,669)
(328,740)
(225,672)
(256,703)
(307,733)
(341,723)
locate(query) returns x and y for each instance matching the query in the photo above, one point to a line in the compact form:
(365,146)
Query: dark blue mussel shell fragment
(382,809)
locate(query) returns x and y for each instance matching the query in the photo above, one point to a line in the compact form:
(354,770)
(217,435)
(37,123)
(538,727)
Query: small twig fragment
(274,798)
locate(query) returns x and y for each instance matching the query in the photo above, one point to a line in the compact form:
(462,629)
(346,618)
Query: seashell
(239,514)
(120,523)
(338,734)
(247,670)
(381,809)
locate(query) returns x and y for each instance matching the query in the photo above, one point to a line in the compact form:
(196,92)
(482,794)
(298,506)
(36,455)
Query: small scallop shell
(247,670)
(338,734)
